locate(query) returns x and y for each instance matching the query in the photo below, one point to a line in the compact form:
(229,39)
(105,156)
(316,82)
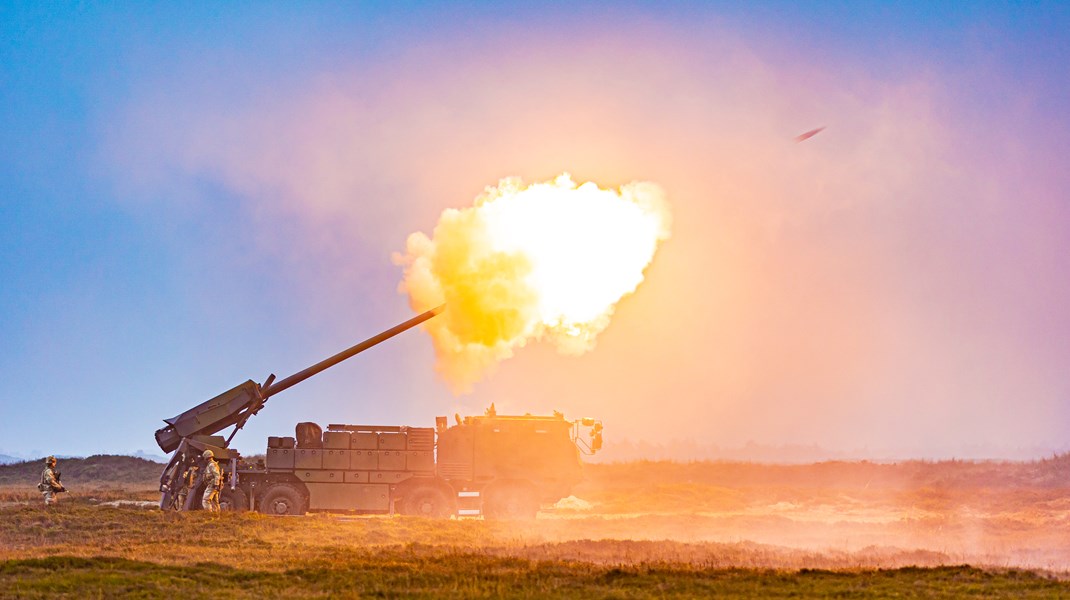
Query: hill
(100,468)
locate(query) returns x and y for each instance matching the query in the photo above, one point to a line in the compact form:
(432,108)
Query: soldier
(213,482)
(189,482)
(50,485)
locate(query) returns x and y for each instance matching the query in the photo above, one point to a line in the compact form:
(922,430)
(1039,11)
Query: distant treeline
(1052,472)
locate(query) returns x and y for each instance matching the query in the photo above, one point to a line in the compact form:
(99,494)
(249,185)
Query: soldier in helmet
(50,485)
(189,483)
(213,482)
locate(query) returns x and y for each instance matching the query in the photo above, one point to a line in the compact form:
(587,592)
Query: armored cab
(512,464)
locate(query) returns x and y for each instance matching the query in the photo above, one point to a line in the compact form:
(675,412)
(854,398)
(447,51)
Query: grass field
(850,530)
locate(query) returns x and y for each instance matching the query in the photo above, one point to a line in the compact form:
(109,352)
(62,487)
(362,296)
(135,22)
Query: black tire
(512,501)
(427,501)
(283,499)
(233,500)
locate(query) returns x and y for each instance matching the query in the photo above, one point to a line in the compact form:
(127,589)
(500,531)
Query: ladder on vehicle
(469,503)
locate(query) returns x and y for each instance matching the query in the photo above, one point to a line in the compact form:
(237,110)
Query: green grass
(473,575)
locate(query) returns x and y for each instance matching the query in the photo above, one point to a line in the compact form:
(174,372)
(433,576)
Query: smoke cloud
(542,262)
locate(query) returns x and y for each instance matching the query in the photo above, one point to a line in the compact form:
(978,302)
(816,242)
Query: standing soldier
(213,481)
(50,485)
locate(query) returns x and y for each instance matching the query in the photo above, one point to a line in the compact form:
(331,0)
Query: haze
(194,197)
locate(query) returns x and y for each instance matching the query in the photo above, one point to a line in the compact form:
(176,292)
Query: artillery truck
(494,465)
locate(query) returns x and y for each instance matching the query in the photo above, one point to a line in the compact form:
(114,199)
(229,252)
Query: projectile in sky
(809,134)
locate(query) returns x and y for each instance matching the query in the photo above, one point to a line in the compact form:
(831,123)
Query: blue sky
(190,197)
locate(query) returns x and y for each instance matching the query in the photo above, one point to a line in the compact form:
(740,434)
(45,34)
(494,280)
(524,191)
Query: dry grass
(85,550)
(92,494)
(652,529)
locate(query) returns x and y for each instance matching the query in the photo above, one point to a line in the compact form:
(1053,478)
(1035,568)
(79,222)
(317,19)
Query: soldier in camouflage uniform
(50,485)
(189,482)
(213,482)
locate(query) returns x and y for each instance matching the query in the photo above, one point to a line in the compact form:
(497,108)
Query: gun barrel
(300,376)
(235,406)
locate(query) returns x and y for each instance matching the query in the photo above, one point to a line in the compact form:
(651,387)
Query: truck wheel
(510,501)
(233,501)
(282,499)
(427,501)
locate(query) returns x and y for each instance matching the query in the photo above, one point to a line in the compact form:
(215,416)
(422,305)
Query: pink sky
(897,282)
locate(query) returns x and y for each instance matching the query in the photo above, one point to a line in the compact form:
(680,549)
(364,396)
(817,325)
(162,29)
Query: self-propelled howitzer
(497,466)
(192,432)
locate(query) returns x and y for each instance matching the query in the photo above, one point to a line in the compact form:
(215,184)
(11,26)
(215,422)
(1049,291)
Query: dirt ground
(1005,514)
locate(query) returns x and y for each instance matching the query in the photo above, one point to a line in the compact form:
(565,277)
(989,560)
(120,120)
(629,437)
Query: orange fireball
(546,261)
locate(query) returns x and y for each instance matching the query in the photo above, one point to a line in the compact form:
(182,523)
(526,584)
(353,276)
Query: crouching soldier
(213,482)
(189,483)
(50,485)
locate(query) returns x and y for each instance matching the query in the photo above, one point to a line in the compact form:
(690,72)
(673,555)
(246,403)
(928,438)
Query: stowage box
(363,460)
(392,460)
(335,458)
(336,439)
(308,458)
(319,476)
(364,440)
(419,460)
(421,438)
(391,441)
(356,477)
(280,458)
(388,476)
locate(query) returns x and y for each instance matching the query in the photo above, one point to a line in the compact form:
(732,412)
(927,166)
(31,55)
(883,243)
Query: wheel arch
(284,490)
(398,492)
(408,489)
